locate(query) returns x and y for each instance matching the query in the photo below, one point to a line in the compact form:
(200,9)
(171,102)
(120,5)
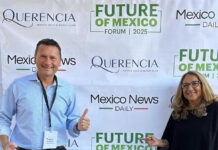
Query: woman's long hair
(180,103)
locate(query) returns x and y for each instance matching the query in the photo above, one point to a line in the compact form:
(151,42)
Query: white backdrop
(124,58)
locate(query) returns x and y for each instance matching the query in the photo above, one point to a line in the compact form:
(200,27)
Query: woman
(193,124)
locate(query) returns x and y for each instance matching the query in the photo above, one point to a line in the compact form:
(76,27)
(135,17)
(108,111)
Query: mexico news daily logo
(27,63)
(126,103)
(124,18)
(199,18)
(29,19)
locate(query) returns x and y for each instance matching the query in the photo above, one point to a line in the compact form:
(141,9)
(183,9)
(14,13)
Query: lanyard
(46,98)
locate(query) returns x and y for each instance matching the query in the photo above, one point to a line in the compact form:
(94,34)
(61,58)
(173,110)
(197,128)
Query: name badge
(50,139)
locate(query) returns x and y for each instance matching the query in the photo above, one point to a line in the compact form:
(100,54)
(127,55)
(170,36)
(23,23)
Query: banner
(124,58)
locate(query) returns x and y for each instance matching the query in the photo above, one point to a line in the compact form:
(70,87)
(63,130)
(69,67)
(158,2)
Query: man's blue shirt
(24,97)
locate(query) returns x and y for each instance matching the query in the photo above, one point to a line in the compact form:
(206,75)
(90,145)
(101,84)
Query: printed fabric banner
(124,58)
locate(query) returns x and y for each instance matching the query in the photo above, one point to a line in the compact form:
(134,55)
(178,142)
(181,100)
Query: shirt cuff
(5,131)
(71,130)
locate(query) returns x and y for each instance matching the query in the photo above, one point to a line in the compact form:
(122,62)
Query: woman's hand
(153,141)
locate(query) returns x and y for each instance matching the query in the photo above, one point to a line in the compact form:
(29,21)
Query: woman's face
(191,87)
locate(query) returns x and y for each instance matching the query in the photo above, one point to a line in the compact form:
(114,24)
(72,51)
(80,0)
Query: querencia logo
(27,63)
(30,19)
(72,144)
(204,60)
(131,102)
(124,18)
(116,65)
(120,141)
(200,18)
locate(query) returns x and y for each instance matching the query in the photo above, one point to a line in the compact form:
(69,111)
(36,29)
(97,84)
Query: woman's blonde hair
(180,103)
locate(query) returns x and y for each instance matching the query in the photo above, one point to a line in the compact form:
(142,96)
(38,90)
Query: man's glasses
(194,84)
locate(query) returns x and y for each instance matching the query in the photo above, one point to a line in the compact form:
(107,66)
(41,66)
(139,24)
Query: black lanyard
(46,98)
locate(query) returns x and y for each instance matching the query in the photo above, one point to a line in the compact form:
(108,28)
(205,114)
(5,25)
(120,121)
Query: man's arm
(7,110)
(73,115)
(75,122)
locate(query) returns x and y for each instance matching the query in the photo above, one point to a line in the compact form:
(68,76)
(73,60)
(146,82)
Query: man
(45,106)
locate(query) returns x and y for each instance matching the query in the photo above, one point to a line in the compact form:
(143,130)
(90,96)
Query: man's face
(47,60)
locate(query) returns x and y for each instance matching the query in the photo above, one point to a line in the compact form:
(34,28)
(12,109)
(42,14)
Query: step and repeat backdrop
(124,58)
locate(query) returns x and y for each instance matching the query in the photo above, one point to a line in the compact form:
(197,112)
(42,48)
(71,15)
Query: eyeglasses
(194,84)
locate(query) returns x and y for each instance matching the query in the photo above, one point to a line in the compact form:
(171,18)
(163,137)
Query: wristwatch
(75,129)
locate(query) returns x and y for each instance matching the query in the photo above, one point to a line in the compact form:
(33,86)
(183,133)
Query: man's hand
(84,123)
(10,146)
(6,144)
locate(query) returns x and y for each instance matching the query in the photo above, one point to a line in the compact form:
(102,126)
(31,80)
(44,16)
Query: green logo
(201,60)
(126,18)
(120,141)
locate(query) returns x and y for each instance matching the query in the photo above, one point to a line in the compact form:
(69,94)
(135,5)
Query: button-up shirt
(24,98)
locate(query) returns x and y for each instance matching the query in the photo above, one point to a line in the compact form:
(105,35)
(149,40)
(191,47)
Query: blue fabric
(24,97)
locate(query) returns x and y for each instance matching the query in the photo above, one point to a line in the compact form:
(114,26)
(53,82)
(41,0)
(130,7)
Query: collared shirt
(24,97)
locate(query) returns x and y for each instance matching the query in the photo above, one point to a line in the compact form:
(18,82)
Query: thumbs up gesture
(84,123)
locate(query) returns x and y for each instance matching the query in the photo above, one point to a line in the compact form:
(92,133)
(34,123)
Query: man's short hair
(48,42)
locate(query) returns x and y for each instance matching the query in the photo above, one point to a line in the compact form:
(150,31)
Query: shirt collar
(34,77)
